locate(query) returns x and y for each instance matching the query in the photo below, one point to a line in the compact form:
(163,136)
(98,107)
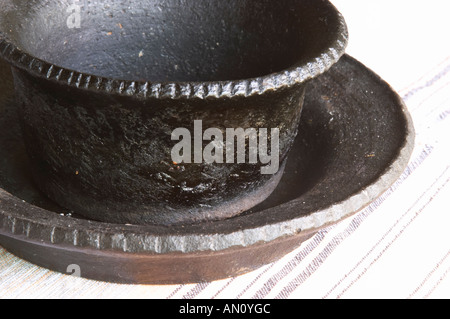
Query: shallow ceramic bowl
(102,86)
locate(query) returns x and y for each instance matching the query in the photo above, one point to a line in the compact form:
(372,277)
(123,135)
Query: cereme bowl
(103,85)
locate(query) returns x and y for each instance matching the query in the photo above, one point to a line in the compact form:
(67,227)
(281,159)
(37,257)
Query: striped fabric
(398,247)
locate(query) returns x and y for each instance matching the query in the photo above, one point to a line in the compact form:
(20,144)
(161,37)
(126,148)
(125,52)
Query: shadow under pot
(164,112)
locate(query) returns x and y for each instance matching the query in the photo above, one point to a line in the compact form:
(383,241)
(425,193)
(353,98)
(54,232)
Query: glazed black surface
(102,147)
(354,131)
(109,158)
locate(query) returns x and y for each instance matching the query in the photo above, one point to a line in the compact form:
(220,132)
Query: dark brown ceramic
(351,147)
(102,86)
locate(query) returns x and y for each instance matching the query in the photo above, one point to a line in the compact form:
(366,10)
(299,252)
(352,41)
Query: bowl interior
(171,40)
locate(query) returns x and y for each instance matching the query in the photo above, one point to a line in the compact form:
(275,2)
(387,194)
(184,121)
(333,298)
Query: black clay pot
(103,85)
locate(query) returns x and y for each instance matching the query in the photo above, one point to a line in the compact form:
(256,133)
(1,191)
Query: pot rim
(294,75)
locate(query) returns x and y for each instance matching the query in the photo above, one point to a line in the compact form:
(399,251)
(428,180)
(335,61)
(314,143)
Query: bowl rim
(289,77)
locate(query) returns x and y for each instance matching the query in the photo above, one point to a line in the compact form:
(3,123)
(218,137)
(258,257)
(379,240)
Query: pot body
(109,157)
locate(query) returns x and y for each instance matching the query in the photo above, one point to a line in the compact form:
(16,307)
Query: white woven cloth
(398,247)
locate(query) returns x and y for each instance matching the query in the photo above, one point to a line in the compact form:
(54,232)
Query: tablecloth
(399,246)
